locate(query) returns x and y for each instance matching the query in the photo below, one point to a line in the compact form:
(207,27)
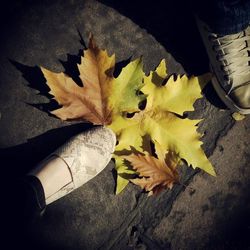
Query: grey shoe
(230,64)
(86,155)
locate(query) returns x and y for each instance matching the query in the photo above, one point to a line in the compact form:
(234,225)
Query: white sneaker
(230,63)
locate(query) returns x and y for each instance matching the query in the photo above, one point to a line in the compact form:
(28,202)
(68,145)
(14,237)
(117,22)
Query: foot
(75,163)
(229,57)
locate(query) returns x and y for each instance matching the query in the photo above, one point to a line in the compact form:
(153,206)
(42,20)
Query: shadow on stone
(70,65)
(213,97)
(119,66)
(71,69)
(34,77)
(36,80)
(173,25)
(19,159)
(16,162)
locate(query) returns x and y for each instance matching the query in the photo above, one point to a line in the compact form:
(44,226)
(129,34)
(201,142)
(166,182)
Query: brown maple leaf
(89,102)
(156,174)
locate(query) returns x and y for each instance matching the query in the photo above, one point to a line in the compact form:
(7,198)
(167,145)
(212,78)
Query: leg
(225,30)
(224,17)
(69,167)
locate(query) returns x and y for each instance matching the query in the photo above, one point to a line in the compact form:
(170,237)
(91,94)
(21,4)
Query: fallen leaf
(123,90)
(117,104)
(89,102)
(177,95)
(238,117)
(102,96)
(155,174)
(159,121)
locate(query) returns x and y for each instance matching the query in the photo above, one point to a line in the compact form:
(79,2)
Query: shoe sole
(225,98)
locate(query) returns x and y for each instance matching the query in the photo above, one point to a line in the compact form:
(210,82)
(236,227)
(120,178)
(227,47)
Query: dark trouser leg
(224,17)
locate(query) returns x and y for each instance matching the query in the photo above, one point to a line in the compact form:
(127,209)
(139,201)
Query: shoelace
(233,52)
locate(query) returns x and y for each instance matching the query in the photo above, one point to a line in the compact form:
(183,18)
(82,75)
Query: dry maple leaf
(102,97)
(156,175)
(90,102)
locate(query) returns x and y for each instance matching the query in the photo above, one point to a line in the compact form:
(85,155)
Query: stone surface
(92,217)
(215,211)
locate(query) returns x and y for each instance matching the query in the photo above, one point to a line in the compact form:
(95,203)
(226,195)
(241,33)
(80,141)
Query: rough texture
(214,211)
(93,217)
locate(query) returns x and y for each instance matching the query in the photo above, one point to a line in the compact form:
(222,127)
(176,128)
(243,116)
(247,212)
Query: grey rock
(92,217)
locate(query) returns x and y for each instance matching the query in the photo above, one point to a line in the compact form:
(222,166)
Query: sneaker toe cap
(241,96)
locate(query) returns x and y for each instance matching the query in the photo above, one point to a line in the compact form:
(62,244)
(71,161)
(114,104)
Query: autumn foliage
(116,103)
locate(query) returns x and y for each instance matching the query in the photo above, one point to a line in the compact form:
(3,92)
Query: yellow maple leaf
(124,173)
(157,120)
(168,130)
(123,90)
(176,96)
(128,134)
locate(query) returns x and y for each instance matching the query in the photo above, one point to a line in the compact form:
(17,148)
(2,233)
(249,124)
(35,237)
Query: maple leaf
(124,89)
(105,100)
(102,96)
(87,103)
(175,96)
(159,121)
(156,174)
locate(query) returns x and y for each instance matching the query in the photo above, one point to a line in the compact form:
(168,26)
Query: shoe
(229,57)
(86,155)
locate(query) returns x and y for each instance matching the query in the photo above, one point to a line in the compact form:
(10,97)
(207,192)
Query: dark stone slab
(47,32)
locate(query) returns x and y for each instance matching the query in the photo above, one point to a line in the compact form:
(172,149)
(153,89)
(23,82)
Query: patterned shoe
(86,155)
(230,63)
